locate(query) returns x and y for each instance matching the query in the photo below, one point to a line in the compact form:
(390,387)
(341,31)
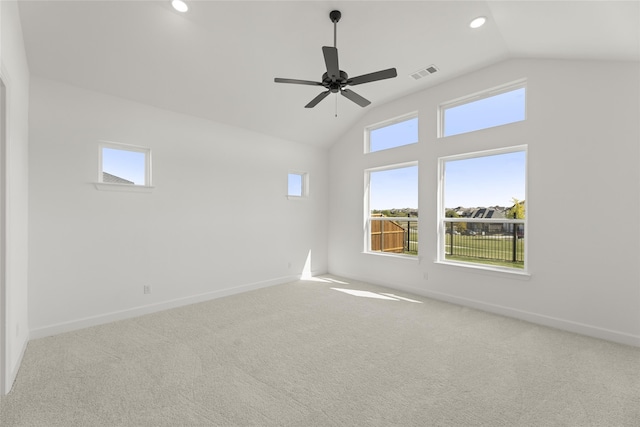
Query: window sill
(297,197)
(103,186)
(487,269)
(394,256)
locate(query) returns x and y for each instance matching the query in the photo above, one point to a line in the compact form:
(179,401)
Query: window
(488,109)
(124,165)
(392,210)
(392,134)
(483,209)
(298,185)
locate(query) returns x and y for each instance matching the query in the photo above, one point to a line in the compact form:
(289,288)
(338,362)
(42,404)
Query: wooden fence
(387,236)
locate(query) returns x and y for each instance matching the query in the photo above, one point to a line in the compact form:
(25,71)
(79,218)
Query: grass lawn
(490,250)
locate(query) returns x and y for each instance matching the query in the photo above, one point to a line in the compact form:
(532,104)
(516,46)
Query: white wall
(217,222)
(583,136)
(15,75)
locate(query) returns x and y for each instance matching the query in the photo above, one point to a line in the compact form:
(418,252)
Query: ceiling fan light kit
(335,80)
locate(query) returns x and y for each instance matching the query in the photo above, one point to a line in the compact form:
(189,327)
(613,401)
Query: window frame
(477,96)
(304,185)
(367,210)
(387,123)
(441,229)
(102,185)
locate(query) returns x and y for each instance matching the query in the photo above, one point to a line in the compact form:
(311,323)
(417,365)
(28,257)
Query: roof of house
(107,177)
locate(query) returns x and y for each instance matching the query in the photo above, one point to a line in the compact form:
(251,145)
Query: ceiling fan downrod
(335,16)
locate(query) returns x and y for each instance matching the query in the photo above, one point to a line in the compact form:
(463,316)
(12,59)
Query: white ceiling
(218,60)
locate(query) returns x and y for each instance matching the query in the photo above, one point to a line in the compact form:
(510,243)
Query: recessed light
(478,22)
(179,5)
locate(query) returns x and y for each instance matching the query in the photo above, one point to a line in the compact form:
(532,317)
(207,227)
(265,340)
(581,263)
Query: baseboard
(101,319)
(539,319)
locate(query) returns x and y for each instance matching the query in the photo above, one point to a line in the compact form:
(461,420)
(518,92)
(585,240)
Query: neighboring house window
(482,211)
(298,185)
(487,109)
(392,210)
(124,164)
(391,134)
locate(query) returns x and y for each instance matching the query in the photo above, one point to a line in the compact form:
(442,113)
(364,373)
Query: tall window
(485,110)
(392,210)
(392,134)
(124,164)
(483,208)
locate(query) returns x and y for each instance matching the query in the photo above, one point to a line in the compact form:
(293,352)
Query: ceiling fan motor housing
(338,84)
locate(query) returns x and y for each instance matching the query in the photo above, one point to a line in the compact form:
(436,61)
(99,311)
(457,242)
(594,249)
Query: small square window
(297,186)
(124,165)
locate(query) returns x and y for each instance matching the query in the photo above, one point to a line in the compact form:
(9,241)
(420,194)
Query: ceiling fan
(335,80)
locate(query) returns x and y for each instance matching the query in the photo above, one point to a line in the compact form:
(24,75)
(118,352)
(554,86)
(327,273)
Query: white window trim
(383,124)
(305,185)
(487,93)
(367,211)
(440,257)
(111,186)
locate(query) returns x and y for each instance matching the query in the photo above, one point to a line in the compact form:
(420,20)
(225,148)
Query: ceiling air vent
(424,72)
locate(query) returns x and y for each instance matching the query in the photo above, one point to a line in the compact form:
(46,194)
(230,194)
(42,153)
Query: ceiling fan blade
(298,82)
(349,94)
(317,99)
(331,60)
(372,77)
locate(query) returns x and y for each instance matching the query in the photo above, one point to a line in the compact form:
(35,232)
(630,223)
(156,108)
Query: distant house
(107,177)
(496,212)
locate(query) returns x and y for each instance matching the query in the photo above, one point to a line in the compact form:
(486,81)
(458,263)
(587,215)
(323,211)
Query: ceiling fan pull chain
(336,105)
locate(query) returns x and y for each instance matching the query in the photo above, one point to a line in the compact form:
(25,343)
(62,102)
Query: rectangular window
(482,209)
(392,134)
(124,164)
(488,109)
(392,210)
(297,184)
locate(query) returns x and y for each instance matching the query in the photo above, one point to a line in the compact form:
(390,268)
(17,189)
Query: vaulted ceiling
(218,60)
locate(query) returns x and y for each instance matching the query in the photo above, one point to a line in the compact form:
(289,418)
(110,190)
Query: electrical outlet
(147,289)
(289,264)
(425,276)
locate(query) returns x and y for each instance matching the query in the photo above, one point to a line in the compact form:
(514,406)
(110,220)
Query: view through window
(484,208)
(393,210)
(124,165)
(296,185)
(395,134)
(486,112)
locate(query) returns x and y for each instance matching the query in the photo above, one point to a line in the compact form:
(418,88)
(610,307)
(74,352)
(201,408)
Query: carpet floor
(324,352)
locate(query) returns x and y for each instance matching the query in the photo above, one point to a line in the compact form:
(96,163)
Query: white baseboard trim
(539,319)
(101,319)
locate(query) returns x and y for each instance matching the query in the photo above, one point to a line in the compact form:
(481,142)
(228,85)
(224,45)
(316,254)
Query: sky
(124,164)
(402,133)
(394,188)
(485,181)
(477,182)
(295,184)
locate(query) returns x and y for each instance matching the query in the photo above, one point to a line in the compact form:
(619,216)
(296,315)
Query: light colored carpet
(307,354)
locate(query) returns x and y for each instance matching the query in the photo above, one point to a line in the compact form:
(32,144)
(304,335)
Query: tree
(459,226)
(517,210)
